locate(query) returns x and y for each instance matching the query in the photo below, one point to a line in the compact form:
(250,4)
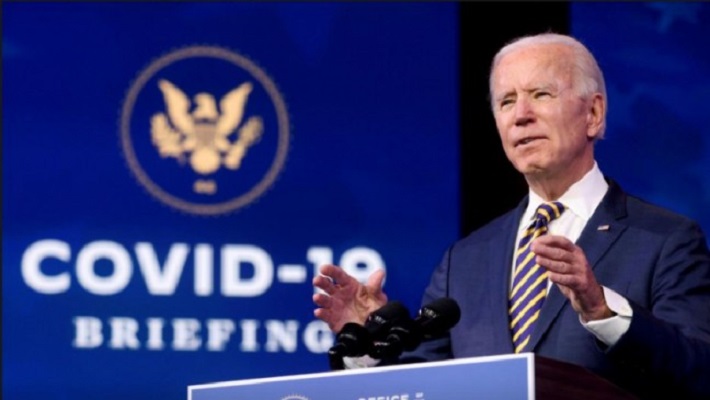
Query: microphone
(355,340)
(438,317)
(433,320)
(352,341)
(380,322)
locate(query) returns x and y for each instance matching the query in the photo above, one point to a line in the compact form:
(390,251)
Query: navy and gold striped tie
(529,279)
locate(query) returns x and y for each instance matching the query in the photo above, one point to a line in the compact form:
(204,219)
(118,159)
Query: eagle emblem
(203,134)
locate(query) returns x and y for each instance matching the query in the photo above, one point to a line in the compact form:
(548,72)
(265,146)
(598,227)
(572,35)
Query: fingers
(567,266)
(374,282)
(322,300)
(554,261)
(564,261)
(331,277)
(335,273)
(343,298)
(321,313)
(325,312)
(556,254)
(324,283)
(326,316)
(565,280)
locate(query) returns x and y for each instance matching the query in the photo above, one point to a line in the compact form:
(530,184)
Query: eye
(505,102)
(542,94)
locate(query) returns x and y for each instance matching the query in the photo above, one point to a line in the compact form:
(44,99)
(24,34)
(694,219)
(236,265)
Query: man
(603,280)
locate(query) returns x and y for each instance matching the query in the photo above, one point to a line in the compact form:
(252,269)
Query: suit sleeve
(670,342)
(438,348)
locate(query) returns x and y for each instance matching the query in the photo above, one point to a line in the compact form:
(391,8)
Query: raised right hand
(345,299)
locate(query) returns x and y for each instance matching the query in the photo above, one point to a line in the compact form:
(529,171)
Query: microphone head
(405,334)
(437,317)
(380,321)
(352,341)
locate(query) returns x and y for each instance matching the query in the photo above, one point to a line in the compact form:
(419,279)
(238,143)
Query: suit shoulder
(491,230)
(655,218)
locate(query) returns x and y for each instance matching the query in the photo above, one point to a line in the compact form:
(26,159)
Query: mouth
(527,140)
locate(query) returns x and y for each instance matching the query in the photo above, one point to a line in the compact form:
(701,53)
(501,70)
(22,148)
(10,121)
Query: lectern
(507,377)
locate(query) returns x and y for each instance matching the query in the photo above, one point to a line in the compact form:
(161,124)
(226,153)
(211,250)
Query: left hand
(569,269)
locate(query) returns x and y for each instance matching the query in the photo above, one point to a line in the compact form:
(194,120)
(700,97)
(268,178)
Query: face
(545,126)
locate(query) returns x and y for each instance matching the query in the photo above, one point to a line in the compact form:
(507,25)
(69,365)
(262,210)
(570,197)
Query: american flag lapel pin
(603,228)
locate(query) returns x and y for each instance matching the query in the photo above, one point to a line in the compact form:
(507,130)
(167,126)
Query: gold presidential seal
(204,130)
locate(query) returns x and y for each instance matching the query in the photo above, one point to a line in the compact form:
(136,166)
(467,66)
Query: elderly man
(579,271)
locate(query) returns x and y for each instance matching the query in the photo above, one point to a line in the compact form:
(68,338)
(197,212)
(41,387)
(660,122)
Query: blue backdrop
(657,68)
(151,242)
(139,257)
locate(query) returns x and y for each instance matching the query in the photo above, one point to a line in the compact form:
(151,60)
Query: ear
(596,116)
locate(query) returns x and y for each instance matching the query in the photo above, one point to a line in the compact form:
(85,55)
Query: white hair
(588,79)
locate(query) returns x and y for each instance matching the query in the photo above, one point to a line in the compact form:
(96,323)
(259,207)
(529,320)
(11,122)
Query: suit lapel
(598,235)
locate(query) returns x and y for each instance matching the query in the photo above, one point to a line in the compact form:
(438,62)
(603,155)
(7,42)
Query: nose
(523,112)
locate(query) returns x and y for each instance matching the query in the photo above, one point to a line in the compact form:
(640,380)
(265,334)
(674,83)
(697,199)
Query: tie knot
(549,211)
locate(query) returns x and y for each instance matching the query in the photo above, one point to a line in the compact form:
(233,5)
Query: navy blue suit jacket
(657,260)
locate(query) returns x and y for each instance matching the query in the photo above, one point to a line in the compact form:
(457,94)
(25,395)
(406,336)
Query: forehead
(534,66)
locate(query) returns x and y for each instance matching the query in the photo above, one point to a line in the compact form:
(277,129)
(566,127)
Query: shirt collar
(582,198)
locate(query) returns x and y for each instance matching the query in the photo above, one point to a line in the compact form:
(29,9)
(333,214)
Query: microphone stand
(335,360)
